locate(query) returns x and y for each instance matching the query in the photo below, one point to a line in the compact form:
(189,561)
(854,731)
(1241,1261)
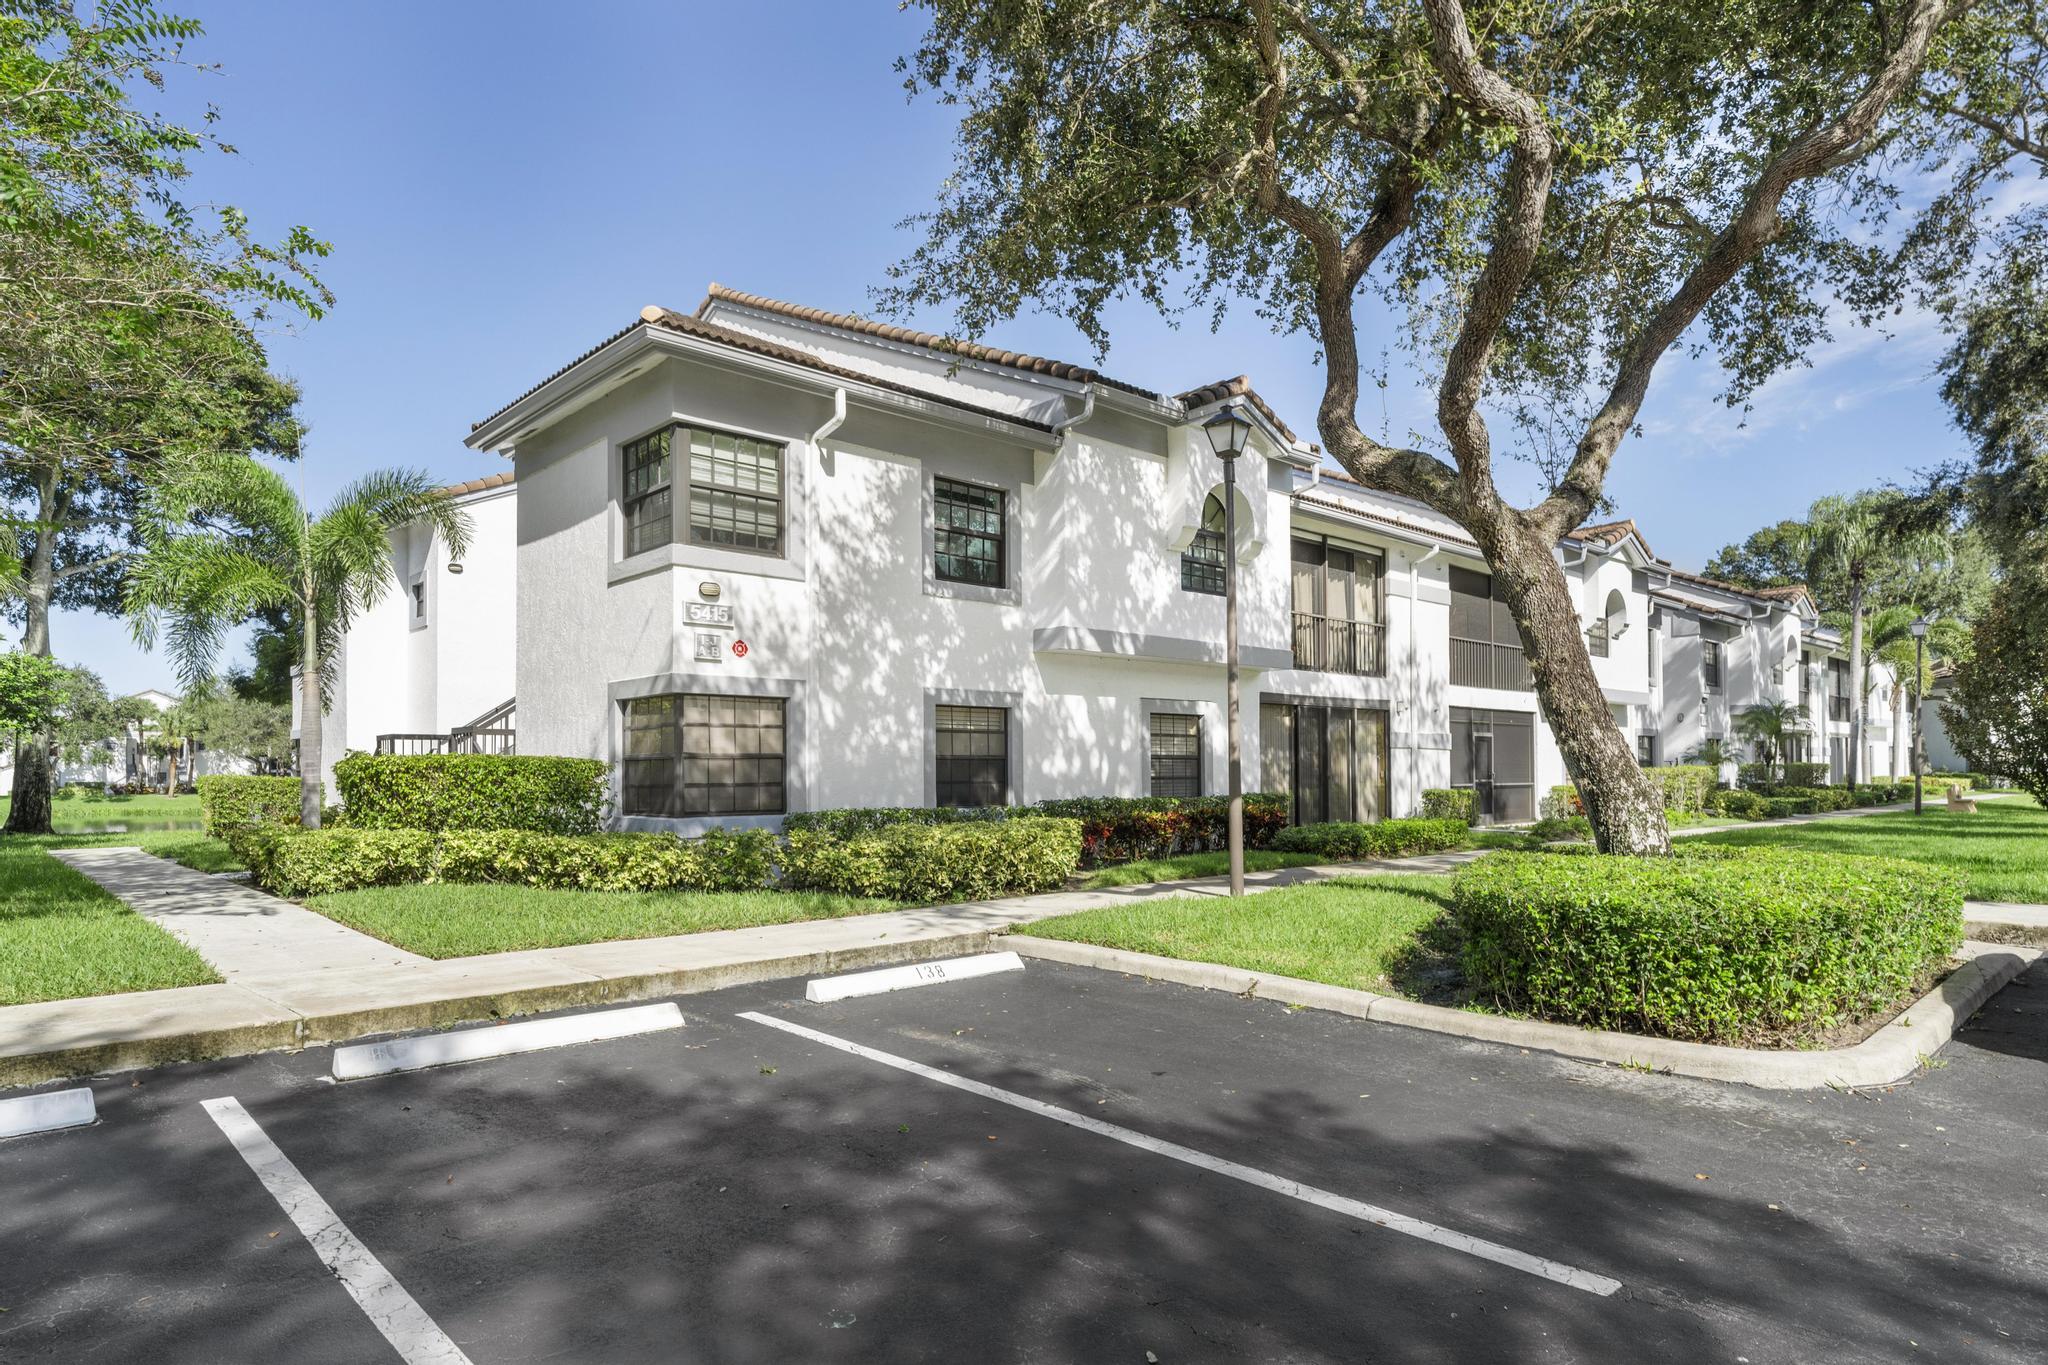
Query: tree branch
(92,566)
(1755,225)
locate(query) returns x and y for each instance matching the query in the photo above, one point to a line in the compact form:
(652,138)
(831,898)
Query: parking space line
(383,1299)
(826,989)
(1555,1271)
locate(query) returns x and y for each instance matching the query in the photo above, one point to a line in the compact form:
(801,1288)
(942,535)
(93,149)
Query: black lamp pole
(1919,673)
(1227,432)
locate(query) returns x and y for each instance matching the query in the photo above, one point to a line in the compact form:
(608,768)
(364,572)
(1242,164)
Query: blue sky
(506,183)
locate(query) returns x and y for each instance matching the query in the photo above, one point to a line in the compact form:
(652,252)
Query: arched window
(1612,621)
(1201,564)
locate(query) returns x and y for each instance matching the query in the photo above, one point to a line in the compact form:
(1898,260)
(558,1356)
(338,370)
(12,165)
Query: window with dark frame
(735,492)
(646,492)
(699,754)
(1710,663)
(971,748)
(1643,751)
(1202,564)
(1176,754)
(1596,638)
(419,599)
(967,533)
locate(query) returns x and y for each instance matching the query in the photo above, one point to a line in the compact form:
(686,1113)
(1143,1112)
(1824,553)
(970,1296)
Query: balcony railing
(494,732)
(1328,644)
(1482,663)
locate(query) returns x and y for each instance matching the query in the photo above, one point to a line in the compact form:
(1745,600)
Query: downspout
(832,423)
(1066,424)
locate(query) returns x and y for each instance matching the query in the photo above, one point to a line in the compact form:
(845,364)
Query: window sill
(704,558)
(971,592)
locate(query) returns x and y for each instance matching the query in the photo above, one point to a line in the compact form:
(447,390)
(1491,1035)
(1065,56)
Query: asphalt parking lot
(1134,1172)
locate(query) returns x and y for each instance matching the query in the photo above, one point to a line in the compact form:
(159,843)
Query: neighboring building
(126,760)
(765,558)
(1942,756)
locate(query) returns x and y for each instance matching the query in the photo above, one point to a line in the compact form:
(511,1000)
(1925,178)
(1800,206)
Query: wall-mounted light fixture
(708,590)
(455,566)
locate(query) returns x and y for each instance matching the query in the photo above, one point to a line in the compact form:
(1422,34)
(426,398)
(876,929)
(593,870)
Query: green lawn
(61,936)
(1349,931)
(2002,849)
(1189,865)
(463,920)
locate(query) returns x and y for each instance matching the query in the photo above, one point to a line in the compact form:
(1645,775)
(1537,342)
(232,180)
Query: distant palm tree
(227,538)
(1891,643)
(1715,753)
(1768,725)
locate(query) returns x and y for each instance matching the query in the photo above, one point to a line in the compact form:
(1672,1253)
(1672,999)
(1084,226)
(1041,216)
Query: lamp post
(1919,673)
(1227,432)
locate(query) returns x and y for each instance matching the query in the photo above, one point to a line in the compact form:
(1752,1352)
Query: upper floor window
(1202,563)
(1486,645)
(1337,618)
(419,599)
(1596,638)
(731,488)
(967,533)
(1710,663)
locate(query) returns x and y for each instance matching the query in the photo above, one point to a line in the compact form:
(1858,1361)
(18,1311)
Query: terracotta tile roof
(1785,593)
(1610,533)
(1353,509)
(1779,595)
(498,480)
(1017,360)
(689,325)
(1240,387)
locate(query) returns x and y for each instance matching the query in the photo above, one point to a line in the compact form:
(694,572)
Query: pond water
(124,826)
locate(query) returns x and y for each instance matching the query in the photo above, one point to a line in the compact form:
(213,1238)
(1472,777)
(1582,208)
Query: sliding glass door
(1331,758)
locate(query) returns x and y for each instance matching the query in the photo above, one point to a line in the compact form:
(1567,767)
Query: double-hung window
(1176,754)
(1202,563)
(971,748)
(1710,664)
(968,533)
(705,755)
(731,488)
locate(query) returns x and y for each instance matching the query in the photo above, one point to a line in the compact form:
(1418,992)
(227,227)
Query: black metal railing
(493,732)
(1328,644)
(412,744)
(1482,663)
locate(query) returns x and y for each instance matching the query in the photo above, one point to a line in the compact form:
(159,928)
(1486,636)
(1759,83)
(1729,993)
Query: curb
(289,1030)
(1891,1054)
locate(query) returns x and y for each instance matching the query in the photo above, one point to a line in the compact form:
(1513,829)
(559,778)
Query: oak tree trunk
(34,775)
(1624,807)
(310,718)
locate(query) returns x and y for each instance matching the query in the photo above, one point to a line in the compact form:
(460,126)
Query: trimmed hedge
(301,863)
(1744,805)
(1114,829)
(1387,839)
(960,860)
(473,791)
(1685,786)
(1710,944)
(1450,803)
(228,805)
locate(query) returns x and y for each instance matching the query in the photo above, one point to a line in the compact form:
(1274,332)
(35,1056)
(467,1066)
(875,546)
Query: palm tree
(1847,542)
(226,538)
(1768,725)
(1891,643)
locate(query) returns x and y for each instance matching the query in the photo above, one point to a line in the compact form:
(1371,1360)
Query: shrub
(228,805)
(473,791)
(1451,803)
(1561,803)
(301,863)
(1387,839)
(1779,807)
(959,860)
(1806,774)
(1551,831)
(1744,805)
(1755,776)
(1114,829)
(1711,944)
(309,862)
(1684,785)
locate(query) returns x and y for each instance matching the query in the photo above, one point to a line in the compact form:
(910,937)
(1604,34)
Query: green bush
(298,863)
(1387,839)
(1755,776)
(1778,807)
(1743,805)
(1114,829)
(473,791)
(961,860)
(1561,803)
(1552,830)
(1451,803)
(229,805)
(1806,774)
(1684,786)
(301,863)
(1712,944)
(1823,798)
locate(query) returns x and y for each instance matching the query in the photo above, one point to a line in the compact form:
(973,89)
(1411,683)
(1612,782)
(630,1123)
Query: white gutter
(1064,425)
(833,423)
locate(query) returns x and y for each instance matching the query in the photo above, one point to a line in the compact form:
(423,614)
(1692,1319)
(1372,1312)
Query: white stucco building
(765,558)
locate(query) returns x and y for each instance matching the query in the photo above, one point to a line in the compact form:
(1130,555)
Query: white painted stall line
(25,1114)
(500,1040)
(383,1299)
(1555,1271)
(824,990)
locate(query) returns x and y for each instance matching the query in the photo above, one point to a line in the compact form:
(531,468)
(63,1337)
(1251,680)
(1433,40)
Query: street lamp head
(1228,431)
(1920,627)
